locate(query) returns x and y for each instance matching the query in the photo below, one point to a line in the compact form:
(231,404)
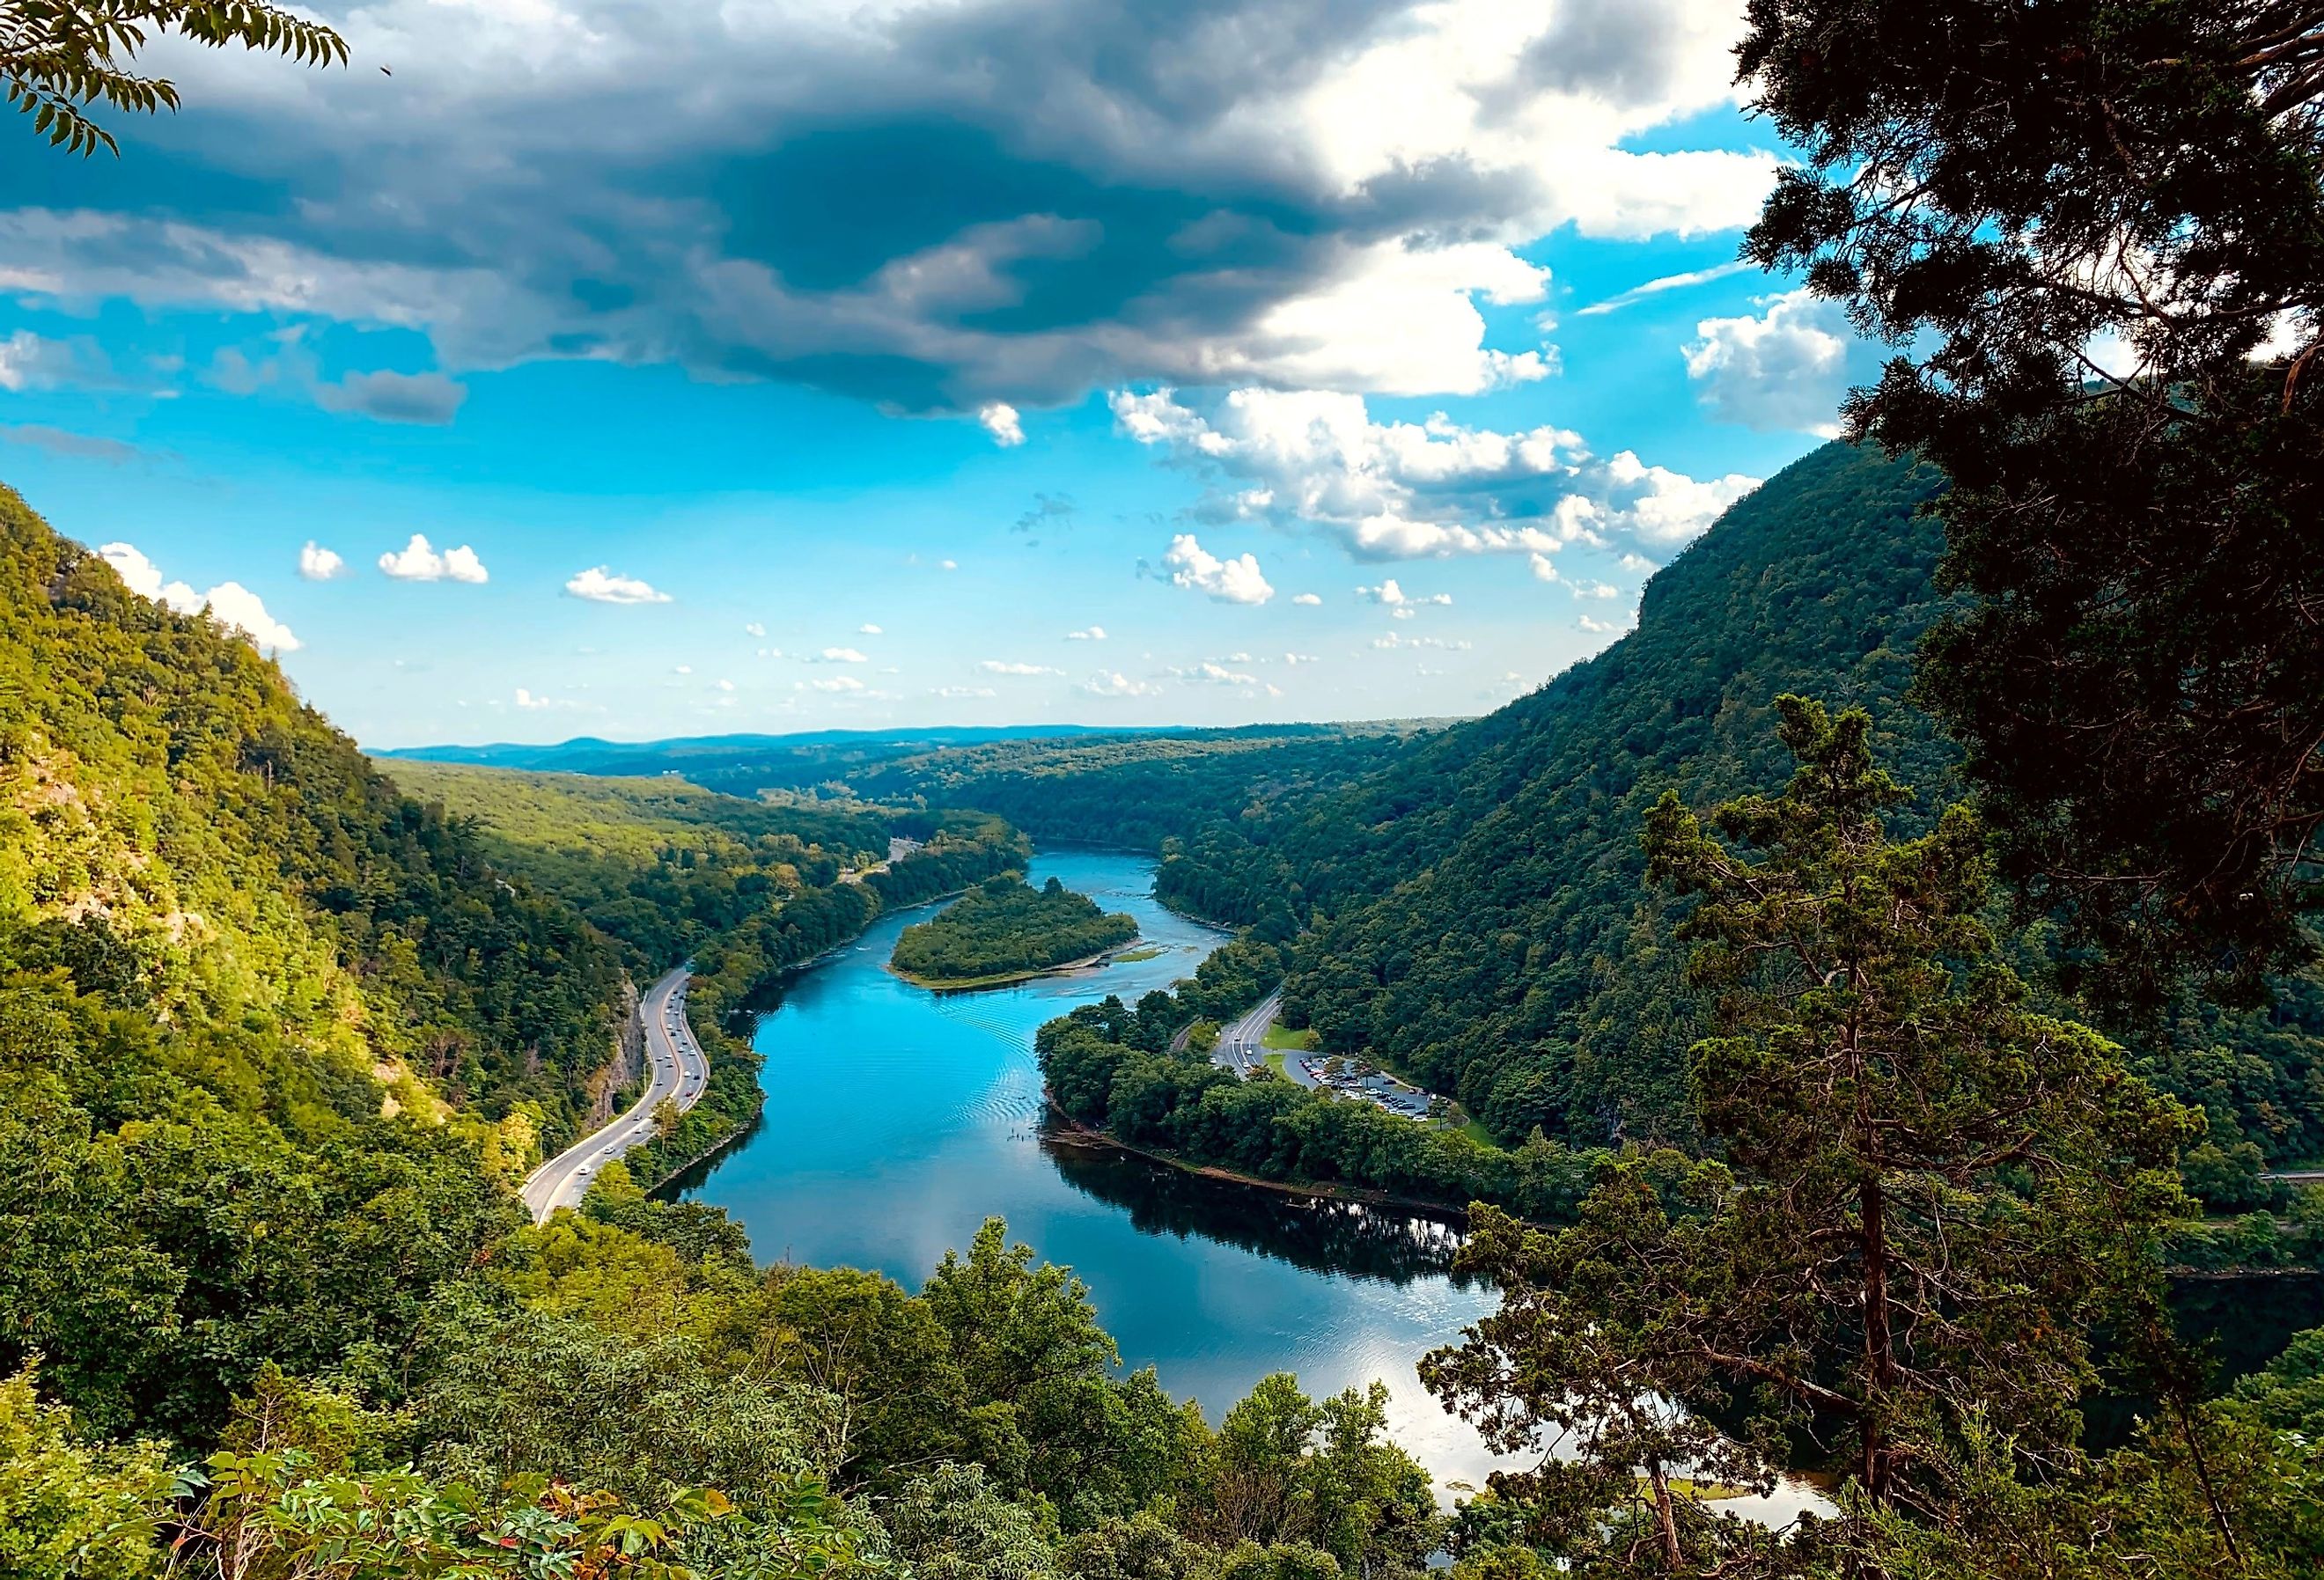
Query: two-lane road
(676,1071)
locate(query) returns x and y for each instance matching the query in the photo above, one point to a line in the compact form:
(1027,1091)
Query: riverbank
(1068,1131)
(1126,951)
(731,1111)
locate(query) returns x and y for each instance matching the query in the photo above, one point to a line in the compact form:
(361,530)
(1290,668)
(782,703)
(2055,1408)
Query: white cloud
(1594,589)
(1413,490)
(867,629)
(1309,599)
(1094,633)
(1603,627)
(417,560)
(682,669)
(961,692)
(725,685)
(838,683)
(1665,508)
(1544,568)
(1228,581)
(1004,667)
(838,655)
(1638,294)
(1114,683)
(525,698)
(1000,420)
(1395,639)
(32,362)
(1785,369)
(948,565)
(1209,671)
(1637,564)
(316,563)
(1389,594)
(600,586)
(754,629)
(1297,659)
(229,602)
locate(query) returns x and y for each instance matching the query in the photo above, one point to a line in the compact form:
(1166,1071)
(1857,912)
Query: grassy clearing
(1280,1036)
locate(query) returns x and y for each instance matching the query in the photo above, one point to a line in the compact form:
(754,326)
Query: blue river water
(898,1120)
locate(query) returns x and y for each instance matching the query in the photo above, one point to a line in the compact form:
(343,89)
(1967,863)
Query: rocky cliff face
(626,1068)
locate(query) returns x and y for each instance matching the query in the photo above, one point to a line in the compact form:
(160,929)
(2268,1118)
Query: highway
(1241,1045)
(675,1069)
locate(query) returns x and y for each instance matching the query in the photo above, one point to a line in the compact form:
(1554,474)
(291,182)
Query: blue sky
(799,365)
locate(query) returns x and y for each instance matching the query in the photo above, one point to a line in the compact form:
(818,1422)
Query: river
(898,1120)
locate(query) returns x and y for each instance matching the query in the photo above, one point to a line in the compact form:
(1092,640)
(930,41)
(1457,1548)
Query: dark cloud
(932,207)
(427,398)
(57,442)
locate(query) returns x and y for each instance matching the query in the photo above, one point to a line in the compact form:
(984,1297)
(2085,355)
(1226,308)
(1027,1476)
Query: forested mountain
(241,977)
(1479,917)
(1137,789)
(1468,904)
(187,838)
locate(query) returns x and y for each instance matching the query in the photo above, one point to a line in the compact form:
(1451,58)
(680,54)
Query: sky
(629,369)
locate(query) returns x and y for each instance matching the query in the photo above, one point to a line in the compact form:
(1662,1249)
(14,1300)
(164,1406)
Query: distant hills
(742,764)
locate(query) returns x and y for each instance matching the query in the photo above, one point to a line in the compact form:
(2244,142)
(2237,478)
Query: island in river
(1006,930)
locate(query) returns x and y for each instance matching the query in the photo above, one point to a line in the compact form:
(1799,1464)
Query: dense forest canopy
(1004,928)
(660,863)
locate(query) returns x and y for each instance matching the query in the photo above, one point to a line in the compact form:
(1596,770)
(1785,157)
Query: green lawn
(1280,1036)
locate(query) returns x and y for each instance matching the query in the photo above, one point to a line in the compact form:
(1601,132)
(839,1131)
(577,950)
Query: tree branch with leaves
(62,58)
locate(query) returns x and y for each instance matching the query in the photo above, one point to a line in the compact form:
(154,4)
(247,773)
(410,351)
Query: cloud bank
(969,208)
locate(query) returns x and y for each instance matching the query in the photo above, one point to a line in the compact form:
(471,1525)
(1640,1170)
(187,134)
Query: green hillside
(660,863)
(273,1037)
(1468,904)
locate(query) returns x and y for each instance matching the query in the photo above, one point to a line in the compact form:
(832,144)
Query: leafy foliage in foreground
(570,1408)
(1004,925)
(1932,1199)
(2001,191)
(58,57)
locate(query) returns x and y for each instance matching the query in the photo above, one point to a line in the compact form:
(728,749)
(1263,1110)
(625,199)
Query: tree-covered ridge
(1470,910)
(188,840)
(1135,791)
(274,1040)
(1476,911)
(1004,928)
(660,863)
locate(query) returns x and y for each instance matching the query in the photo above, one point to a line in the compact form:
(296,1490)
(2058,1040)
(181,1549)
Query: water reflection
(1322,1236)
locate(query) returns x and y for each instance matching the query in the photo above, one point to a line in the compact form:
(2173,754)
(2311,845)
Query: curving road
(676,1070)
